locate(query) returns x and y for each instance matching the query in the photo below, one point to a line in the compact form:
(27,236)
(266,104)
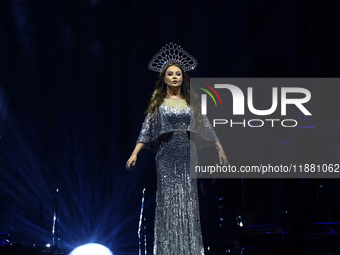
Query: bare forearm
(219,146)
(133,158)
(138,148)
(221,154)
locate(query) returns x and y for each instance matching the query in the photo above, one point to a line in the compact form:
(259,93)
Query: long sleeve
(175,116)
(148,135)
(204,134)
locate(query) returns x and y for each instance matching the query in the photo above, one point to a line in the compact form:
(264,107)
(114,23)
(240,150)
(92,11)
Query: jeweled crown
(172,53)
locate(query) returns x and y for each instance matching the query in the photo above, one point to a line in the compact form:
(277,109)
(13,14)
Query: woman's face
(173,76)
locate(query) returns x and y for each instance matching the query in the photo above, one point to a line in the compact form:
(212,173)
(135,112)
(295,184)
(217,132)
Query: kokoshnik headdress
(172,53)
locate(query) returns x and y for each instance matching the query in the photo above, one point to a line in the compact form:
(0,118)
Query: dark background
(74,85)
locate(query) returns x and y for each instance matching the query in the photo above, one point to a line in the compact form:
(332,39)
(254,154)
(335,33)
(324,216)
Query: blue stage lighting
(90,249)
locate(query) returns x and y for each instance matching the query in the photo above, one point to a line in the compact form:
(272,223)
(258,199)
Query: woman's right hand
(131,162)
(133,159)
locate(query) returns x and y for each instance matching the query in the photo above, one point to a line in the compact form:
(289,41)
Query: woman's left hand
(221,155)
(223,158)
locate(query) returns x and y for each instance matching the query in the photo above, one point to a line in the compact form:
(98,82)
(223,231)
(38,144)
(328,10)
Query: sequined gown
(177,220)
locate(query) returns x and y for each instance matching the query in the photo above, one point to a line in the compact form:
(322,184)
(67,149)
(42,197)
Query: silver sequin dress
(177,218)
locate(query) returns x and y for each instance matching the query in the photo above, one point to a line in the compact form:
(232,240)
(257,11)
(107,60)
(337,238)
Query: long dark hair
(161,90)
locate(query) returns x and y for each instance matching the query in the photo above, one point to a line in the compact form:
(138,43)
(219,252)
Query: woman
(166,129)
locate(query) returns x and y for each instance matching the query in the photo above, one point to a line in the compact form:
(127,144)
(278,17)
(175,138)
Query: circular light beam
(90,249)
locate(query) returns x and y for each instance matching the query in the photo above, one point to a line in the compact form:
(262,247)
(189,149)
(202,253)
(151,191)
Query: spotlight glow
(90,249)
